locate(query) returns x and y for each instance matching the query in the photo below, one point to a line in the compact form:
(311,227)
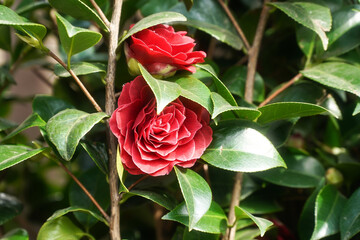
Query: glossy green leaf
(306,40)
(357,109)
(9,207)
(328,207)
(247,234)
(259,203)
(96,184)
(11,18)
(221,105)
(34,120)
(152,20)
(6,124)
(98,153)
(197,235)
(16,234)
(62,212)
(23,9)
(66,128)
(350,217)
(77,9)
(75,39)
(165,92)
(80,68)
(48,106)
(302,172)
(262,223)
(337,75)
(195,90)
(345,33)
(11,155)
(160,198)
(311,15)
(307,218)
(60,229)
(221,88)
(235,77)
(214,220)
(239,148)
(219,33)
(120,171)
(286,110)
(196,192)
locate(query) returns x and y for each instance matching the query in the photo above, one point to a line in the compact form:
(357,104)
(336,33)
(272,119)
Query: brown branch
(101,13)
(109,108)
(254,53)
(281,89)
(77,80)
(85,190)
(249,89)
(236,25)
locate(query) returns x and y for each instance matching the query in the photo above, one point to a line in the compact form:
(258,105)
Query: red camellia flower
(152,144)
(162,51)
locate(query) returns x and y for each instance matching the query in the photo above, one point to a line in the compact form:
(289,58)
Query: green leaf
(247,151)
(344,34)
(165,92)
(97,152)
(337,75)
(311,15)
(262,223)
(220,86)
(221,105)
(60,229)
(235,77)
(5,38)
(152,20)
(196,192)
(95,182)
(16,234)
(80,68)
(213,221)
(62,212)
(34,120)
(6,124)
(247,234)
(260,204)
(9,207)
(218,32)
(11,155)
(10,18)
(307,219)
(188,4)
(23,9)
(286,110)
(121,171)
(48,106)
(350,217)
(66,128)
(79,10)
(356,110)
(302,172)
(197,235)
(328,207)
(195,90)
(75,39)
(160,198)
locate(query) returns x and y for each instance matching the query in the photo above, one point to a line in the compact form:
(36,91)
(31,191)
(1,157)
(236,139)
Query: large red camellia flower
(162,51)
(152,144)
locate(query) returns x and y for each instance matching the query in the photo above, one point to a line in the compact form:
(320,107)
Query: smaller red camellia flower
(153,143)
(162,51)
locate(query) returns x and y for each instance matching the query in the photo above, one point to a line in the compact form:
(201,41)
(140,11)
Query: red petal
(152,38)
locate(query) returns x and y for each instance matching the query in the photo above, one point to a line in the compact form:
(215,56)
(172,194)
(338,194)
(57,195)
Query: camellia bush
(193,119)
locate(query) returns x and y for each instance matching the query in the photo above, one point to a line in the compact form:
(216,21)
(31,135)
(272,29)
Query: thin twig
(42,77)
(137,182)
(101,13)
(281,89)
(77,80)
(236,25)
(109,108)
(254,53)
(85,191)
(249,88)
